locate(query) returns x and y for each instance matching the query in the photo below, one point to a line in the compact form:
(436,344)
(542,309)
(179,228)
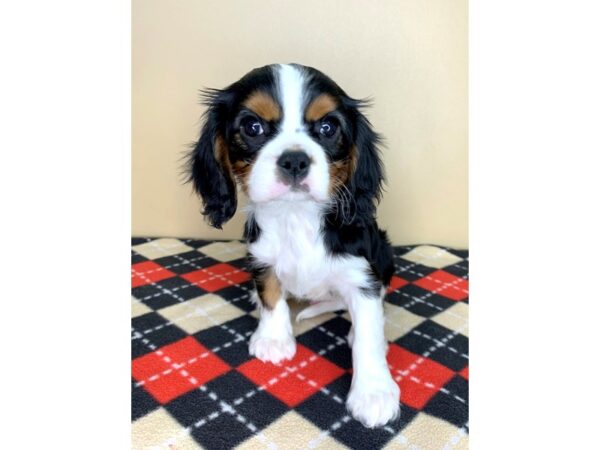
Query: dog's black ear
(209,167)
(368,176)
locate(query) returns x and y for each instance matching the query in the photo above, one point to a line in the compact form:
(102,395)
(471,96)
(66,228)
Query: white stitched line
(198,308)
(427,295)
(222,276)
(224,406)
(433,257)
(191,360)
(330,334)
(345,419)
(170,266)
(429,277)
(461,433)
(413,366)
(272,381)
(287,370)
(189,284)
(439,343)
(191,314)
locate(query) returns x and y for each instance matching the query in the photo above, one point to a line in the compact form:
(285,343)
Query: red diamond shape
(446,284)
(148,272)
(292,381)
(217,277)
(396,283)
(176,369)
(464,373)
(423,380)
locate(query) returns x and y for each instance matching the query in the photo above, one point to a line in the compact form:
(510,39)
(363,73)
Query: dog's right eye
(252,127)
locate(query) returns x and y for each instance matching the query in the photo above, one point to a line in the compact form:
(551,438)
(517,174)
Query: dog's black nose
(294,165)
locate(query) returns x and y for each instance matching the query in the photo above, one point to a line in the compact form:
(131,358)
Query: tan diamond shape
(291,432)
(399,321)
(431,256)
(200,313)
(157,429)
(138,308)
(161,247)
(425,432)
(225,251)
(455,318)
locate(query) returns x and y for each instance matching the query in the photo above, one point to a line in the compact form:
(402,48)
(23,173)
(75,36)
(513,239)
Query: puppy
(307,158)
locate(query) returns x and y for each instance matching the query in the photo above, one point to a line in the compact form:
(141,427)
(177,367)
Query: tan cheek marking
(271,289)
(320,106)
(241,169)
(341,171)
(263,105)
(222,156)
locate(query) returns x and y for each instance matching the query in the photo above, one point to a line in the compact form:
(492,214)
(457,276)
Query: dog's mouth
(300,187)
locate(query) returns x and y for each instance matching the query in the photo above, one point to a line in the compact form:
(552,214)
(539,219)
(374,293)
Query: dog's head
(287,133)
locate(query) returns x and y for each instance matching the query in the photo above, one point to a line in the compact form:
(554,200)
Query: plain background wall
(409,56)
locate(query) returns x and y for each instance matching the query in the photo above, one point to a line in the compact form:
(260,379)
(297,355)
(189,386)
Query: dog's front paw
(268,349)
(374,402)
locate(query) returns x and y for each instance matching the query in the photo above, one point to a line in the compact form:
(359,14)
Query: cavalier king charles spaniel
(307,158)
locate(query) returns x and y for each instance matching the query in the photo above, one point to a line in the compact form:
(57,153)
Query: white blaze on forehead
(291,91)
(264,184)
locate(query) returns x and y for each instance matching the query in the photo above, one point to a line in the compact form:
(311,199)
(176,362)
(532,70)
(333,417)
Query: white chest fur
(291,242)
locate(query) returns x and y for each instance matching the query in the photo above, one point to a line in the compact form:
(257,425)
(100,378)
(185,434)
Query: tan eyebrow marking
(320,106)
(263,105)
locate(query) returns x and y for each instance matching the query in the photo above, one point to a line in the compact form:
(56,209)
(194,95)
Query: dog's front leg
(374,395)
(273,340)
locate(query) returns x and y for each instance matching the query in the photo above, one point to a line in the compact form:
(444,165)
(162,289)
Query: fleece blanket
(194,385)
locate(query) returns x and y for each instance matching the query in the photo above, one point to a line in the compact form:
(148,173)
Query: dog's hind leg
(318,308)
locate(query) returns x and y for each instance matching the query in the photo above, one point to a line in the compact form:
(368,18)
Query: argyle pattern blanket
(194,385)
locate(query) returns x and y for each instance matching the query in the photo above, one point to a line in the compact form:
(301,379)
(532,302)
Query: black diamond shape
(141,402)
(221,431)
(460,269)
(196,243)
(464,254)
(140,240)
(411,271)
(186,262)
(324,410)
(318,340)
(451,405)
(153,297)
(427,339)
(240,263)
(419,301)
(137,258)
(448,352)
(400,250)
(166,292)
(327,407)
(228,346)
(355,435)
(261,408)
(152,329)
(239,296)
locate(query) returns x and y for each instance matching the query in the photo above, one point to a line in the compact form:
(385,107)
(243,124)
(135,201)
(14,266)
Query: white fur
(322,307)
(374,395)
(273,340)
(263,183)
(291,242)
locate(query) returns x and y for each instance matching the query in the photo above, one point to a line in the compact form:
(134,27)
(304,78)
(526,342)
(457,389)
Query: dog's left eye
(327,128)
(253,128)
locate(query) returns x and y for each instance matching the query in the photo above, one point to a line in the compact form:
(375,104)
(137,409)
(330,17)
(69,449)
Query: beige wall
(409,55)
